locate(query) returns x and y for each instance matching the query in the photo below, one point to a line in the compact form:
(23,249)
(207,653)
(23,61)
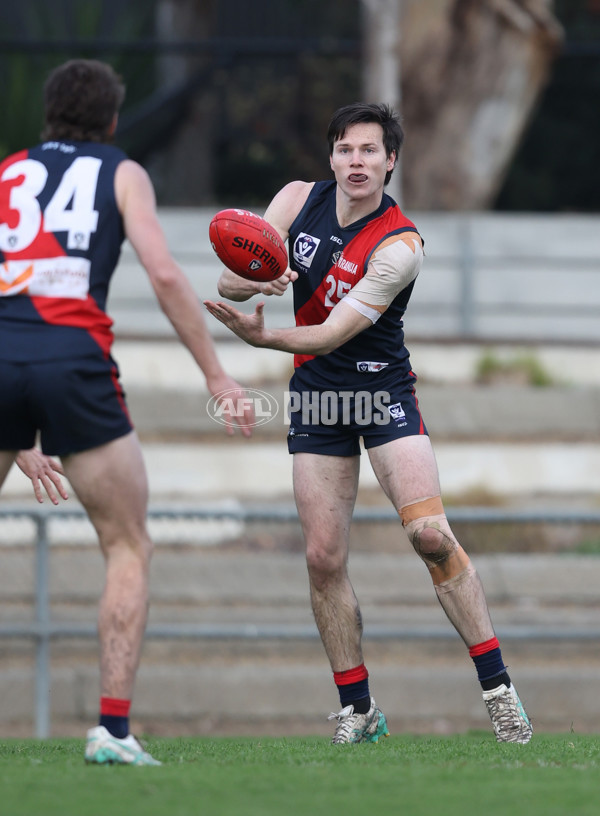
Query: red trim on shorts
(344,678)
(414,393)
(113,707)
(119,392)
(483,648)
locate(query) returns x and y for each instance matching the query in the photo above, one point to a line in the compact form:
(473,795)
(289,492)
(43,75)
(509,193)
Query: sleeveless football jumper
(330,260)
(60,240)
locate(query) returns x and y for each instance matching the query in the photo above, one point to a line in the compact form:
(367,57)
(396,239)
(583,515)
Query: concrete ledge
(187,471)
(423,679)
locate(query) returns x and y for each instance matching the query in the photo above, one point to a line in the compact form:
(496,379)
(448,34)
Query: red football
(248,245)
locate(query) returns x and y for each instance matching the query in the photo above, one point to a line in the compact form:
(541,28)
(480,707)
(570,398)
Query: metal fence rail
(42,629)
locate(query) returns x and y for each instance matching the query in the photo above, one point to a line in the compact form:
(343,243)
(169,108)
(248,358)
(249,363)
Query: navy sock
(353,688)
(117,726)
(491,671)
(356,694)
(114,716)
(493,682)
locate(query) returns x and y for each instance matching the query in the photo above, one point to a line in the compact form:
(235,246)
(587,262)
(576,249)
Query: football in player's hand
(248,245)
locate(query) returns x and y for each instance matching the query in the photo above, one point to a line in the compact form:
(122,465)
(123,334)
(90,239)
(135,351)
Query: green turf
(554,775)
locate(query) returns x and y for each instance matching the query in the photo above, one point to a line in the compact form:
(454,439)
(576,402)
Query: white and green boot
(353,727)
(511,723)
(104,749)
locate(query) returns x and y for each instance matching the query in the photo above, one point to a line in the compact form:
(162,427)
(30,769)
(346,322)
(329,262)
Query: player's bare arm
(280,214)
(395,263)
(176,296)
(342,324)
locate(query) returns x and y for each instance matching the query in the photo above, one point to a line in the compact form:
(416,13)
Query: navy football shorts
(331,422)
(75,404)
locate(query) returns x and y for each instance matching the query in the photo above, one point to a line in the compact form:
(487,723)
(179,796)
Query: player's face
(359,161)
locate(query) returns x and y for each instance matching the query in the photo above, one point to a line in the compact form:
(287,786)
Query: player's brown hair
(360,112)
(81,98)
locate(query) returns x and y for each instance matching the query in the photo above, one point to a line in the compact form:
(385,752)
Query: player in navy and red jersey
(66,206)
(354,258)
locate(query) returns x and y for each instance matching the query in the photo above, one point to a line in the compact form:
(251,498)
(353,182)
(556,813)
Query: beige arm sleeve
(394,264)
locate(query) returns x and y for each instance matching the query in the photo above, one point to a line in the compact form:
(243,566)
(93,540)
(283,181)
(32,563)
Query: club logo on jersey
(370,366)
(305,248)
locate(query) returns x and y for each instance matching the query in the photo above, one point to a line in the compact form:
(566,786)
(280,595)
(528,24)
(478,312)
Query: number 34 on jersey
(35,262)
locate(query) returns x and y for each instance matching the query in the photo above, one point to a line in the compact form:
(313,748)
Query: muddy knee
(431,542)
(428,531)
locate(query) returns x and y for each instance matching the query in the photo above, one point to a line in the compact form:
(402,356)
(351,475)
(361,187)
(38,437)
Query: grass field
(554,775)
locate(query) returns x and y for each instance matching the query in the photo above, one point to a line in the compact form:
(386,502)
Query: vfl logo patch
(397,412)
(305,247)
(254,265)
(368,365)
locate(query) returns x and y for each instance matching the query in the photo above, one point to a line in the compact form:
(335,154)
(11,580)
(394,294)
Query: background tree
(227,101)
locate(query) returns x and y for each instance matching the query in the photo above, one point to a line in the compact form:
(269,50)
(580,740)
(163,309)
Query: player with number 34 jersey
(66,206)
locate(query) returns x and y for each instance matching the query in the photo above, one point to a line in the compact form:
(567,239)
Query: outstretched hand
(250,328)
(44,473)
(232,405)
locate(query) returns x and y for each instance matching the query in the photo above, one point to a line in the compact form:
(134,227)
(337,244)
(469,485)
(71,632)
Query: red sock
(113,707)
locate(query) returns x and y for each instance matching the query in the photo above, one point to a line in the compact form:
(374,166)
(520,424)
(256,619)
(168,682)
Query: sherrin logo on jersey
(305,248)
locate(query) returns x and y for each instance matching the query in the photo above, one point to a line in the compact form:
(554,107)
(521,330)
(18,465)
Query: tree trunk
(472,73)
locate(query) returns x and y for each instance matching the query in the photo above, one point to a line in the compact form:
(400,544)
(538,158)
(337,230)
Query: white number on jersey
(70,210)
(23,198)
(336,289)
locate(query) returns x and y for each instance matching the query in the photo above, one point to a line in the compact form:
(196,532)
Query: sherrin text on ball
(248,245)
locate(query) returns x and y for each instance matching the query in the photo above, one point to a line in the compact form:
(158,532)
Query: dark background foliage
(275,72)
